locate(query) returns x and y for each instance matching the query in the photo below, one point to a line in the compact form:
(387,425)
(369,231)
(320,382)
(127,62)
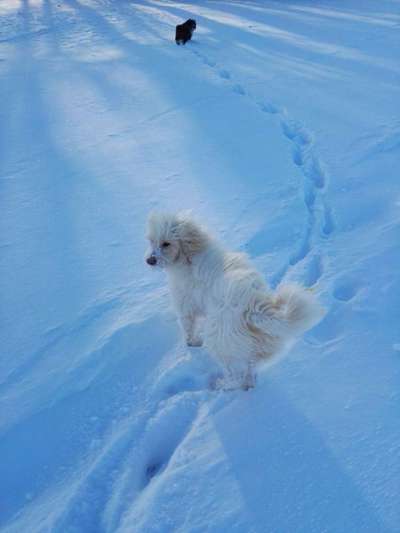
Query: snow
(279,126)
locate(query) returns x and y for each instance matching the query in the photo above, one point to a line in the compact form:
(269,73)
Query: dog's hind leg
(250,377)
(234,379)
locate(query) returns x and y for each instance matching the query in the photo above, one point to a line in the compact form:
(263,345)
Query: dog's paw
(225,384)
(233,383)
(194,342)
(249,381)
(248,385)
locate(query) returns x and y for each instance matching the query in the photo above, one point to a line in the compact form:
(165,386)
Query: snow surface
(279,126)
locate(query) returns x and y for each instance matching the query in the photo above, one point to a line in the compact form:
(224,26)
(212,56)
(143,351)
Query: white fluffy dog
(222,302)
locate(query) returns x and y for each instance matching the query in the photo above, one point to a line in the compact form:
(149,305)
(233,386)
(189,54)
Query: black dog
(185,31)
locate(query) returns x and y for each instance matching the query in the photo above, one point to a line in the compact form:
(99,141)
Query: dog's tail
(297,308)
(286,313)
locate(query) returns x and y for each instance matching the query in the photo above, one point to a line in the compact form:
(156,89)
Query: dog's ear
(193,239)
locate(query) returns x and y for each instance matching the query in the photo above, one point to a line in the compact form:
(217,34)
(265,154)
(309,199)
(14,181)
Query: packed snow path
(279,126)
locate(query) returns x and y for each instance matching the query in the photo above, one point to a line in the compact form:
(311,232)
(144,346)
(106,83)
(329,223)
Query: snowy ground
(279,126)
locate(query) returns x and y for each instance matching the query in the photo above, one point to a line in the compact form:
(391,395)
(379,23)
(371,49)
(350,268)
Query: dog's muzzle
(154,258)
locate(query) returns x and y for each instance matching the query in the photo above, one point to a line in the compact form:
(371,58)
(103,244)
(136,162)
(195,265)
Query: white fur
(223,302)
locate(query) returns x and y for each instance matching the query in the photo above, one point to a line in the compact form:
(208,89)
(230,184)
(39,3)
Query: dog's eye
(165,244)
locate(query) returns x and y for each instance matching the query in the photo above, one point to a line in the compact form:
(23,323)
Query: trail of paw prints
(122,465)
(319,220)
(221,72)
(139,445)
(319,213)
(320,217)
(176,392)
(151,457)
(303,153)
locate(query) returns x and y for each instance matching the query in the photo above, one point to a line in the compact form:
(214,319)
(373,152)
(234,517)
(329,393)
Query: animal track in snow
(345,290)
(315,177)
(297,155)
(268,108)
(302,252)
(165,432)
(303,156)
(295,132)
(208,62)
(224,74)
(238,89)
(167,425)
(309,197)
(314,271)
(152,470)
(328,224)
(314,171)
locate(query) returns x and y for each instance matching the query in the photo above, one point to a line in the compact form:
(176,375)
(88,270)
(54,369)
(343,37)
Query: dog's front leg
(188,322)
(187,313)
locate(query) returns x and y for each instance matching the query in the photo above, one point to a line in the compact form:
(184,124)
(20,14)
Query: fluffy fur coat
(222,302)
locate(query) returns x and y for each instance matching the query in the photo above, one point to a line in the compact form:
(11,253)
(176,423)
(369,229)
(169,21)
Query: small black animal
(185,31)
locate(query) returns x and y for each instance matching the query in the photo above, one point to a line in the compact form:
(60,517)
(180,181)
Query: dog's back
(185,31)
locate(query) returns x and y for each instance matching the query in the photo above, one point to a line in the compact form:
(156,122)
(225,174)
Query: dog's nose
(151,260)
